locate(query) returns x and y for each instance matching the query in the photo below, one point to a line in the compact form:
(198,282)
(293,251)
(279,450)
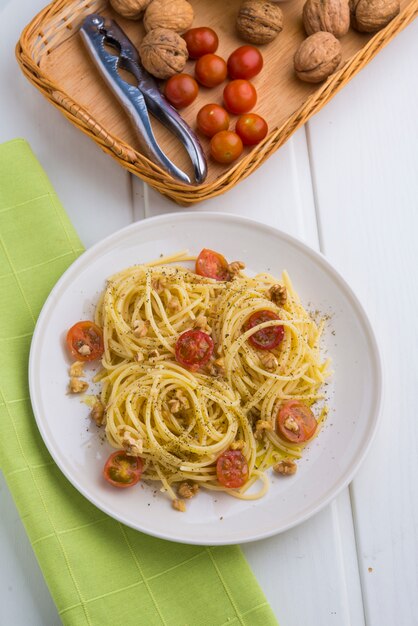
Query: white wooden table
(347,183)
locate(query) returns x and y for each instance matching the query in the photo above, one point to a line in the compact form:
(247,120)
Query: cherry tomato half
(232,469)
(245,62)
(210,70)
(252,128)
(240,96)
(296,422)
(123,471)
(266,338)
(212,265)
(211,119)
(201,41)
(181,90)
(226,146)
(193,349)
(85,341)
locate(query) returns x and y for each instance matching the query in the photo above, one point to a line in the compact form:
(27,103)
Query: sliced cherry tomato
(85,341)
(245,62)
(232,469)
(296,422)
(240,96)
(266,338)
(210,70)
(252,128)
(212,265)
(226,146)
(211,119)
(193,349)
(201,41)
(122,470)
(181,90)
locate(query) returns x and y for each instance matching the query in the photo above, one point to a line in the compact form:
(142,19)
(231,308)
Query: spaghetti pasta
(181,420)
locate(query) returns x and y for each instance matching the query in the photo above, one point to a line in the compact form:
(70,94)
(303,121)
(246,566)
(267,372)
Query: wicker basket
(51,55)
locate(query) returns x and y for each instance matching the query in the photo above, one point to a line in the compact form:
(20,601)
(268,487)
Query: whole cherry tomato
(296,422)
(211,119)
(201,41)
(245,62)
(181,90)
(226,146)
(210,70)
(252,128)
(240,96)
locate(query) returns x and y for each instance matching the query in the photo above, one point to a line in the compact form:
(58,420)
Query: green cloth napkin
(99,572)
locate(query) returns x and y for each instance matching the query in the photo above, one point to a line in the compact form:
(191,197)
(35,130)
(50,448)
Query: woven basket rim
(151,173)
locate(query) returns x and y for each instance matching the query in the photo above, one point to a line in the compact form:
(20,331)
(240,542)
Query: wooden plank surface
(366,183)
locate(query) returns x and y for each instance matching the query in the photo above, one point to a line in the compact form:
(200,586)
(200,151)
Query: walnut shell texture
(332,16)
(132,9)
(369,16)
(163,52)
(176,15)
(259,21)
(317,57)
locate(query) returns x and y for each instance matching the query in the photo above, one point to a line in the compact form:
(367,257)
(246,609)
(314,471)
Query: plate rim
(299,243)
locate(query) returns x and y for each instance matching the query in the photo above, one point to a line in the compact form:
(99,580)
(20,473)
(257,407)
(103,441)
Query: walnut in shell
(173,14)
(132,9)
(369,16)
(317,57)
(259,21)
(332,16)
(163,52)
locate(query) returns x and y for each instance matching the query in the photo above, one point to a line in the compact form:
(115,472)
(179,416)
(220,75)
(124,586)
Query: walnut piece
(369,16)
(332,16)
(141,328)
(260,427)
(77,369)
(163,52)
(278,294)
(77,385)
(259,21)
(179,505)
(237,445)
(97,413)
(176,15)
(188,489)
(132,9)
(317,57)
(285,468)
(268,361)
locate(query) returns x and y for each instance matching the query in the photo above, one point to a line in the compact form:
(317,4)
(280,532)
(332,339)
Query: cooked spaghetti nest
(180,421)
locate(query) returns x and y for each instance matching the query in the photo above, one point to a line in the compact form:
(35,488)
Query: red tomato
(245,62)
(266,338)
(122,470)
(296,422)
(211,119)
(193,349)
(240,96)
(85,341)
(232,469)
(201,41)
(210,70)
(252,128)
(181,90)
(226,146)
(212,265)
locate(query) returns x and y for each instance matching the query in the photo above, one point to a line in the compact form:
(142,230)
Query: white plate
(329,462)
